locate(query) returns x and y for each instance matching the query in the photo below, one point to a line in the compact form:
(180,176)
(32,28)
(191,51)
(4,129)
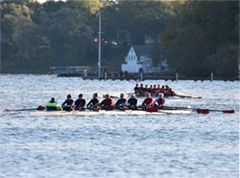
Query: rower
(149,90)
(136,89)
(107,103)
(121,103)
(68,103)
(158,89)
(160,102)
(163,90)
(146,89)
(132,102)
(141,90)
(148,102)
(52,105)
(171,92)
(80,103)
(94,103)
(154,90)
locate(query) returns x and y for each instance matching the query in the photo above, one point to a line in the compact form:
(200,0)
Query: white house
(139,57)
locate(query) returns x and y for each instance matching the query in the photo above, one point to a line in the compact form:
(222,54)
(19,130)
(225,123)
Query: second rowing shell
(112,112)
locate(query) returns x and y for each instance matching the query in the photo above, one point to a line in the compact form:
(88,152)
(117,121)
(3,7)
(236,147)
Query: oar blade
(40,108)
(153,109)
(203,111)
(228,111)
(7,110)
(110,96)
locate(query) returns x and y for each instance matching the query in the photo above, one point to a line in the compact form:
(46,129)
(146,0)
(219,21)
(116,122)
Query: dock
(149,77)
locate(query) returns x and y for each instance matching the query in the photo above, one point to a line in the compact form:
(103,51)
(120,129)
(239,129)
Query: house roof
(141,50)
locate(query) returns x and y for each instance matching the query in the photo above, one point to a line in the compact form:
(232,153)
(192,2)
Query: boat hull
(104,112)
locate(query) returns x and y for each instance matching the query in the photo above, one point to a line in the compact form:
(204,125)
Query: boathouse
(139,56)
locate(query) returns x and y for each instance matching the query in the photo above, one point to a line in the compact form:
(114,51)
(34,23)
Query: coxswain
(171,92)
(80,103)
(52,105)
(141,90)
(132,102)
(121,103)
(136,88)
(160,102)
(94,103)
(68,104)
(107,103)
(148,102)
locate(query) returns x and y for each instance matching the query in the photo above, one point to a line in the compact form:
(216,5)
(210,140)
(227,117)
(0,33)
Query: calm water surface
(167,146)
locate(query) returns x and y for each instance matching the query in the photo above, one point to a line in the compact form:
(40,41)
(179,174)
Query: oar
(202,111)
(193,97)
(39,108)
(111,96)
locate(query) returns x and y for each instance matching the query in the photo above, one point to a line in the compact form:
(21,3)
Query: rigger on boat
(107,106)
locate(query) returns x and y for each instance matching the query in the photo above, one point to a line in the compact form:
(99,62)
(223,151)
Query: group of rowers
(154,90)
(107,104)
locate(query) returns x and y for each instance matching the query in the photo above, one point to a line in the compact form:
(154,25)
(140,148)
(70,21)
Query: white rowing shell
(104,112)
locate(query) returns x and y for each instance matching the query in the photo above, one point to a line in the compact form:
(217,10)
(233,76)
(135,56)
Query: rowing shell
(112,112)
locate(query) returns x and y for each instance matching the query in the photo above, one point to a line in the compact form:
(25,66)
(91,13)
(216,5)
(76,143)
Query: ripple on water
(117,146)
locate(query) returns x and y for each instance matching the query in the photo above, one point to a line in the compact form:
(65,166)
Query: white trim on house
(140,59)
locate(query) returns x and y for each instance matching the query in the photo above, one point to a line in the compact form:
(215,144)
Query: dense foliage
(205,35)
(196,35)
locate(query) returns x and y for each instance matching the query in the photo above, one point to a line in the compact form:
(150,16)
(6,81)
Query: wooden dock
(149,77)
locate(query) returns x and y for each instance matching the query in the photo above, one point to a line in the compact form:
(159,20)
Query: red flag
(96,40)
(102,39)
(98,13)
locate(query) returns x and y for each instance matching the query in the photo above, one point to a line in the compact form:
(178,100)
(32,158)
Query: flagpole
(99,44)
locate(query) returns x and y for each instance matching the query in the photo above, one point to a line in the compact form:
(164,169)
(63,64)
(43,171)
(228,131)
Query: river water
(166,146)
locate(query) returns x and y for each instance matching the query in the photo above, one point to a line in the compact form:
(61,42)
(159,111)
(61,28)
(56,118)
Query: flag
(98,13)
(102,39)
(96,40)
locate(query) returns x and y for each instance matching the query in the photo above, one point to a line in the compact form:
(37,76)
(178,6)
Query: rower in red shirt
(107,103)
(148,102)
(150,90)
(171,93)
(164,90)
(158,89)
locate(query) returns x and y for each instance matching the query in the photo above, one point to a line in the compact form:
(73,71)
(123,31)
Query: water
(117,146)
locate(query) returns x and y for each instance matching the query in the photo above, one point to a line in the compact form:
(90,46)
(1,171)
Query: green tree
(67,34)
(224,62)
(24,31)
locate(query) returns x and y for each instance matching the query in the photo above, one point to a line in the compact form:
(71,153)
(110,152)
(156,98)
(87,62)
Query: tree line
(195,35)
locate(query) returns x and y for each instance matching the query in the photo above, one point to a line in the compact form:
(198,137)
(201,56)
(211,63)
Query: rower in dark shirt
(132,102)
(80,103)
(94,103)
(136,89)
(120,104)
(68,104)
(141,90)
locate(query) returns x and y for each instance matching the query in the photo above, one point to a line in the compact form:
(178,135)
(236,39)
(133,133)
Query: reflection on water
(117,146)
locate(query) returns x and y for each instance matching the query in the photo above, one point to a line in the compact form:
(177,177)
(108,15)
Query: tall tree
(68,36)
(24,31)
